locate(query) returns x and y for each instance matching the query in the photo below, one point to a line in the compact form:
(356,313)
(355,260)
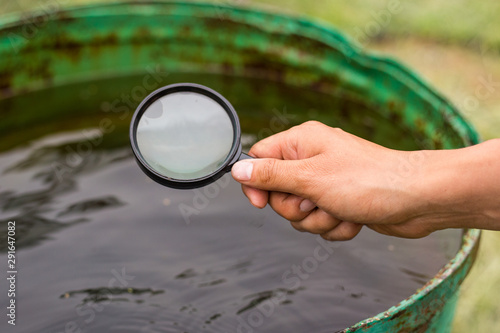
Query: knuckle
(338,235)
(297,226)
(319,230)
(286,213)
(327,237)
(346,236)
(337,130)
(314,126)
(316,227)
(312,123)
(290,216)
(307,176)
(267,171)
(260,148)
(287,206)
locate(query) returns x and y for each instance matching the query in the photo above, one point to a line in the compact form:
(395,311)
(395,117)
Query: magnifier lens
(185,135)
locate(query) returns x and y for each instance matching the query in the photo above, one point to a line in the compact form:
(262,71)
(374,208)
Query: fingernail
(242,170)
(307,205)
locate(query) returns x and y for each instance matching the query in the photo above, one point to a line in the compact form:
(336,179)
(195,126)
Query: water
(101,248)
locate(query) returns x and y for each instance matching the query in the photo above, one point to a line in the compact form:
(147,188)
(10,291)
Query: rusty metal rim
(470,242)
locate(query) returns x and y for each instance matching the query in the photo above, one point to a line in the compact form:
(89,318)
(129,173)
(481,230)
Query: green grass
(452,44)
(479,309)
(460,22)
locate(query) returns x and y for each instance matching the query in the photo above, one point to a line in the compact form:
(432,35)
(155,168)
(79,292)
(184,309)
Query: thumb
(271,174)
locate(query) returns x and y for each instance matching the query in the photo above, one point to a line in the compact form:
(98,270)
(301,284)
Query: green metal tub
(60,46)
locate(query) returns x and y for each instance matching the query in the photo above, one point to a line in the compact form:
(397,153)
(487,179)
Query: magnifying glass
(186,136)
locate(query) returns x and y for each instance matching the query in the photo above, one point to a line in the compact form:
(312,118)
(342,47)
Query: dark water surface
(101,248)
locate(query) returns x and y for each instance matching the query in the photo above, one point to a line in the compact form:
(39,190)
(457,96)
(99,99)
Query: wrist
(460,187)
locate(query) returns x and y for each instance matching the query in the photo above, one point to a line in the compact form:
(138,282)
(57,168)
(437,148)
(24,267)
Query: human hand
(329,182)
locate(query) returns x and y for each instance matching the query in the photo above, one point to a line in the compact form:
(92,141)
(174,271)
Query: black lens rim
(232,157)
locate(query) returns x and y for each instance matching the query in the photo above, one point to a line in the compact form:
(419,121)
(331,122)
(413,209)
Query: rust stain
(437,142)
(311,45)
(227,23)
(106,40)
(325,84)
(6,81)
(141,35)
(40,70)
(66,45)
(420,124)
(395,117)
(99,42)
(264,65)
(186,31)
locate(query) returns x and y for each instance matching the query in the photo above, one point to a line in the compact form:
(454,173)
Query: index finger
(298,142)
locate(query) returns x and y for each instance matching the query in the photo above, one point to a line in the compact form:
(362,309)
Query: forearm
(462,187)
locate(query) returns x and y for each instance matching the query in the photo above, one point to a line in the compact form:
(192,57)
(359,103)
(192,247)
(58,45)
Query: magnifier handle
(244,156)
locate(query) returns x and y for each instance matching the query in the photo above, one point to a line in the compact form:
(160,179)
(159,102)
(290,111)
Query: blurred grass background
(454,46)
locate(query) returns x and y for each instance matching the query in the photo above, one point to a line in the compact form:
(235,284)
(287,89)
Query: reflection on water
(102,248)
(91,205)
(268,296)
(96,295)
